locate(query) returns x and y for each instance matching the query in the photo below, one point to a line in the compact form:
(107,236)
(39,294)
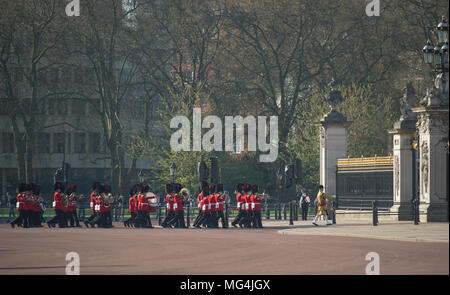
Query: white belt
(97,207)
(175,206)
(92,204)
(168,206)
(54,203)
(239,204)
(144,204)
(253,205)
(209,206)
(217,205)
(199,206)
(74,203)
(204,207)
(18,204)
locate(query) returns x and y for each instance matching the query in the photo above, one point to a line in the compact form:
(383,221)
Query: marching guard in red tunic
(131,208)
(94,194)
(220,201)
(58,206)
(21,206)
(239,206)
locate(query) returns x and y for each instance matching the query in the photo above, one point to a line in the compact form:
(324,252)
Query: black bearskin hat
(254,188)
(59,185)
(169,188)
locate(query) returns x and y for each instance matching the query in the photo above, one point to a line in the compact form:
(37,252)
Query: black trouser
(35,218)
(199,219)
(91,217)
(140,219)
(221,216)
(213,221)
(245,220)
(20,220)
(206,221)
(169,219)
(180,219)
(73,218)
(59,218)
(257,222)
(108,219)
(304,212)
(146,219)
(99,219)
(132,219)
(238,218)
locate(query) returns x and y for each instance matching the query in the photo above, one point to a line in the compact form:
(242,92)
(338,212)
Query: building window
(78,75)
(4,107)
(66,75)
(18,75)
(94,106)
(57,107)
(43,143)
(59,143)
(78,107)
(94,143)
(79,143)
(7,142)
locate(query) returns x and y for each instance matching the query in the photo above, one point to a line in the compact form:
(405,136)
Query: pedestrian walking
(304,205)
(322,205)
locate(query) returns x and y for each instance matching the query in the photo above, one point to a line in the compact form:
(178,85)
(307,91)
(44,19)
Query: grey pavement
(390,230)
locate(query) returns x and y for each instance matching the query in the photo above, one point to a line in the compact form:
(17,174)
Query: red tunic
(220,201)
(205,205)
(145,206)
(21,204)
(238,200)
(246,201)
(212,203)
(92,200)
(58,203)
(131,206)
(178,203)
(170,203)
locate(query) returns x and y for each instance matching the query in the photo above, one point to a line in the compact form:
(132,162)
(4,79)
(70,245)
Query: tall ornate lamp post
(432,125)
(172,170)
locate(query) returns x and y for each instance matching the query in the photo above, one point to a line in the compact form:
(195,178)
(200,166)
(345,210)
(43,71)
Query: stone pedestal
(403,134)
(433,144)
(333,145)
(433,169)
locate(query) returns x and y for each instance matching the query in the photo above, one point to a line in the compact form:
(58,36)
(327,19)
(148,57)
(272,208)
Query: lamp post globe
(442,30)
(428,53)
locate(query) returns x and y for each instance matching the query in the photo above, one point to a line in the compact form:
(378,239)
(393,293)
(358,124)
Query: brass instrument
(185,195)
(109,199)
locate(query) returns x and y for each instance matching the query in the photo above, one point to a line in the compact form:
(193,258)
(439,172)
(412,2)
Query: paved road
(211,251)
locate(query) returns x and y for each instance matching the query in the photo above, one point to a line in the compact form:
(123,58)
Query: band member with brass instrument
(145,206)
(58,206)
(131,208)
(246,220)
(109,200)
(137,189)
(100,210)
(203,220)
(21,206)
(35,206)
(178,220)
(212,222)
(239,206)
(169,206)
(255,201)
(220,204)
(94,194)
(73,200)
(200,215)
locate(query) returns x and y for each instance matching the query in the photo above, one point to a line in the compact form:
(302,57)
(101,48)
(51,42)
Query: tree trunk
(19,150)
